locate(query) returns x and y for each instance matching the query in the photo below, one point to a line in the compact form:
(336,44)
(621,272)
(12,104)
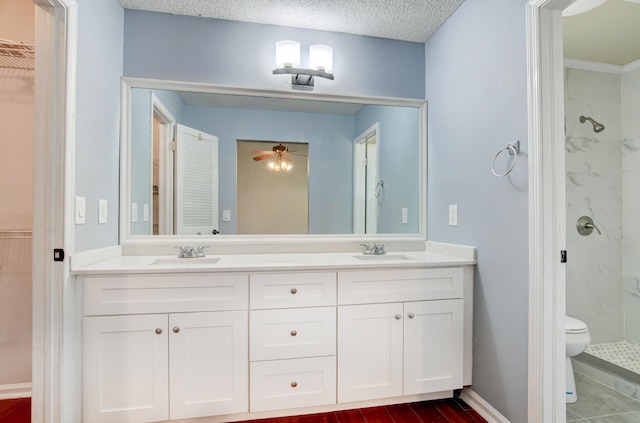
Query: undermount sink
(186,261)
(382,257)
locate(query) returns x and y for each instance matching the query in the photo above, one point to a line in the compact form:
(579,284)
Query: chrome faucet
(190,252)
(374,249)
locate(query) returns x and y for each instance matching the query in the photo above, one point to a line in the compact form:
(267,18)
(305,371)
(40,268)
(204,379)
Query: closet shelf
(17,55)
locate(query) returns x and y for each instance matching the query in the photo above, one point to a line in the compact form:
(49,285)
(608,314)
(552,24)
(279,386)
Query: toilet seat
(573,325)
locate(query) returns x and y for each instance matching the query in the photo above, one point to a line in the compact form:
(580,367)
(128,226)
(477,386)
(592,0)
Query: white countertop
(269,262)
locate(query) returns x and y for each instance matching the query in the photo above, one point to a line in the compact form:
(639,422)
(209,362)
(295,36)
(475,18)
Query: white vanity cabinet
(173,363)
(400,332)
(293,340)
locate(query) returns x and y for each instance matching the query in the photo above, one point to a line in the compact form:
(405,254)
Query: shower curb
(616,378)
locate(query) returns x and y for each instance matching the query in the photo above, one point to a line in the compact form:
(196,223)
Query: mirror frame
(261,242)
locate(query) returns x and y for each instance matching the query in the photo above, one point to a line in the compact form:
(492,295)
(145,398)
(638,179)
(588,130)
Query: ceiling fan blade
(262,152)
(262,157)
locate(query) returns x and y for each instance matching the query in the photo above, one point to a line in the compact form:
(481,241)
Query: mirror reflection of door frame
(166,167)
(365,177)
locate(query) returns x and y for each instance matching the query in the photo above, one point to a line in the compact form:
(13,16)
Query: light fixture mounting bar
(302,71)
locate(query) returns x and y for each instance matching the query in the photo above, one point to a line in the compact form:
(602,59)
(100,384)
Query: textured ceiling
(610,33)
(409,20)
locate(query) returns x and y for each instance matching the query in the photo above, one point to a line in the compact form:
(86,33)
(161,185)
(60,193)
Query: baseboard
(16,390)
(482,407)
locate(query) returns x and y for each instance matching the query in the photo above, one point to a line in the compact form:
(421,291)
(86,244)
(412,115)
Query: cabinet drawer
(292,333)
(281,290)
(132,294)
(285,384)
(385,286)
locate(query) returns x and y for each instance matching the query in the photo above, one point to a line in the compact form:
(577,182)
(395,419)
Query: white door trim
(360,181)
(547,223)
(55,368)
(166,159)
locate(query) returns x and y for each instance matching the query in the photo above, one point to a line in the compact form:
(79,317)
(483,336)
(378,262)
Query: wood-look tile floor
(441,411)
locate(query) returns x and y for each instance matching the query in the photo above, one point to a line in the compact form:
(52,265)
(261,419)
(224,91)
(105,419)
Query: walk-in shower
(603,175)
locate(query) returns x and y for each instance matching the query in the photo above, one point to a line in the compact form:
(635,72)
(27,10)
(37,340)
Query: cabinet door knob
(294,291)
(294,332)
(158,331)
(294,384)
(411,315)
(398,317)
(176,329)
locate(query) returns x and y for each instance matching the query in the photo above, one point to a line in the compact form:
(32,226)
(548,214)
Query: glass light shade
(287,53)
(581,6)
(321,58)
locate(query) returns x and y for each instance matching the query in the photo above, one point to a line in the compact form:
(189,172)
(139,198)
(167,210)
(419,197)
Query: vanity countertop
(269,262)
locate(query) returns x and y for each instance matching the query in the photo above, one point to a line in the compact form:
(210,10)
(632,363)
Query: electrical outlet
(145,213)
(226,215)
(134,212)
(81,210)
(102,211)
(405,217)
(453,215)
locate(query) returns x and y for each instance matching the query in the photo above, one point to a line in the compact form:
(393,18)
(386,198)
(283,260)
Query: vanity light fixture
(288,62)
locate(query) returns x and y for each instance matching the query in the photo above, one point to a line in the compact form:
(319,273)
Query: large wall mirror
(197,158)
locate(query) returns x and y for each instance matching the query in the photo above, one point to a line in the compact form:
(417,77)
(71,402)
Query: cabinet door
(369,351)
(125,369)
(433,346)
(209,362)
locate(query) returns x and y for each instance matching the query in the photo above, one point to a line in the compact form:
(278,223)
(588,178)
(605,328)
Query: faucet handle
(181,251)
(379,248)
(200,250)
(368,248)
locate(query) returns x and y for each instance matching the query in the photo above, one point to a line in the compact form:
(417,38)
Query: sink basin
(186,261)
(382,257)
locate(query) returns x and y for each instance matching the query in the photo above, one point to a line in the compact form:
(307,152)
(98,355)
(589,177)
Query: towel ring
(513,148)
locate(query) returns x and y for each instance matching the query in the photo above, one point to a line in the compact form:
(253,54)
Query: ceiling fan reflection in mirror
(279,158)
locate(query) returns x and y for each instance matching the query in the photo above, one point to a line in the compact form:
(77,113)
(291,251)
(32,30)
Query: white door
(209,364)
(369,351)
(125,366)
(196,182)
(433,346)
(365,181)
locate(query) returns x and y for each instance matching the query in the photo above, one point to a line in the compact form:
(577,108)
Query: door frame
(56,364)
(167,166)
(547,211)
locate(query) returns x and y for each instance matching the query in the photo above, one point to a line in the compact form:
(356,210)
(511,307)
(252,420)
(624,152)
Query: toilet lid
(574,325)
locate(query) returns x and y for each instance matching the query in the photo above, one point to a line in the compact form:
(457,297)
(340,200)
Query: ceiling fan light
(321,58)
(287,54)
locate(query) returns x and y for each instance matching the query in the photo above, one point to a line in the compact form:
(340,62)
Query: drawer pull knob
(398,317)
(176,329)
(294,384)
(411,315)
(294,291)
(158,331)
(294,332)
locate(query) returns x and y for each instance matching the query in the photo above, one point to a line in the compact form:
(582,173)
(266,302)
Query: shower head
(597,127)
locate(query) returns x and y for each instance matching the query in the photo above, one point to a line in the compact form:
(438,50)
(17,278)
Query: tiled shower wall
(603,182)
(594,188)
(631,203)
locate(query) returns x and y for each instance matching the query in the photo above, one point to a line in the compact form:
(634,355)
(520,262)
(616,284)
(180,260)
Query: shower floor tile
(621,354)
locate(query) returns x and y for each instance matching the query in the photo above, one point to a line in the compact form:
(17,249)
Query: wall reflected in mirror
(201,190)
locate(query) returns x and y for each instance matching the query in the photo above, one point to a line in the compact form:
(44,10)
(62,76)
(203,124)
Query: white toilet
(577,340)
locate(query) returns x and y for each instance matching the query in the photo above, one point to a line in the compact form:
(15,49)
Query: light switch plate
(102,211)
(145,212)
(226,215)
(453,215)
(405,217)
(134,212)
(81,210)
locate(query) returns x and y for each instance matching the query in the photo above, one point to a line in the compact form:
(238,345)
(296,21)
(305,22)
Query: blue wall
(330,157)
(100,43)
(187,48)
(477,90)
